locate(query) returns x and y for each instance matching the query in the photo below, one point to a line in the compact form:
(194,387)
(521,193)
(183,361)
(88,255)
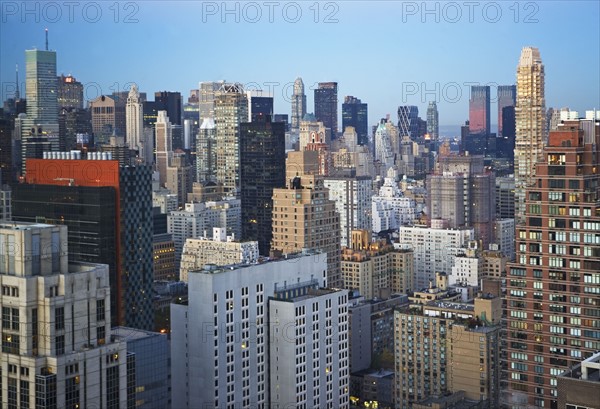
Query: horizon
(91,48)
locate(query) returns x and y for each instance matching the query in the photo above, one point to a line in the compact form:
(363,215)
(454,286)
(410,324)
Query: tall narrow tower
(231,108)
(433,127)
(40,127)
(298,104)
(164,149)
(134,115)
(530,124)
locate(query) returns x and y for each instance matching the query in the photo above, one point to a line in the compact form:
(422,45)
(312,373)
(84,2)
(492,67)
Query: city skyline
(441,42)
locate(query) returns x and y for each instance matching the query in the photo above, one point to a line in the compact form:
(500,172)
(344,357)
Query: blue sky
(387,53)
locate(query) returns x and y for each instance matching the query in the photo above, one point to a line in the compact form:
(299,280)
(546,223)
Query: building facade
(326,106)
(530,123)
(57,350)
(355,114)
(553,287)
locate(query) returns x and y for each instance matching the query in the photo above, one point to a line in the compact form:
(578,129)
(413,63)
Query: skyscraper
(260,104)
(108,209)
(298,104)
(206,99)
(134,116)
(164,150)
(303,215)
(40,126)
(262,157)
(553,287)
(231,109)
(507,97)
(479,110)
(530,123)
(433,125)
(70,92)
(57,346)
(408,124)
(354,114)
(326,110)
(172,103)
(206,152)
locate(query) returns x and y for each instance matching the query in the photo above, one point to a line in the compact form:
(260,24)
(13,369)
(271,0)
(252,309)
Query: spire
(17,94)
(46,39)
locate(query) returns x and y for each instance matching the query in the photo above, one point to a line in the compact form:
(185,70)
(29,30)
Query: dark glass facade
(170,102)
(262,153)
(354,113)
(260,107)
(326,110)
(479,109)
(89,214)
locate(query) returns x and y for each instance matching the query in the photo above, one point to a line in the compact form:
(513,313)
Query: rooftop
(131,334)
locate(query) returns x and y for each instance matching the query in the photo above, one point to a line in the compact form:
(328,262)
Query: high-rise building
(198,218)
(479,110)
(152,366)
(553,287)
(507,97)
(7,125)
(298,104)
(311,131)
(262,155)
(530,111)
(376,268)
(134,116)
(326,106)
(433,124)
(505,197)
(352,198)
(231,109)
(238,312)
(304,217)
(445,346)
(180,176)
(407,121)
(172,103)
(260,104)
(39,129)
(57,349)
(384,151)
(164,149)
(390,209)
(70,92)
(108,209)
(434,250)
(206,152)
(105,111)
(206,99)
(355,114)
(461,194)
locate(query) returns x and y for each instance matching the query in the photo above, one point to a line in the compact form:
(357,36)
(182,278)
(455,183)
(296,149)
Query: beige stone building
(305,218)
(443,347)
(371,267)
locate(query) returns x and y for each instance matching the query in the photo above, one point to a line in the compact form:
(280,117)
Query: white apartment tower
(434,250)
(352,197)
(309,351)
(223,353)
(56,332)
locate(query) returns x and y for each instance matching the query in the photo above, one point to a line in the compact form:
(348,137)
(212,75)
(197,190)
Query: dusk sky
(387,53)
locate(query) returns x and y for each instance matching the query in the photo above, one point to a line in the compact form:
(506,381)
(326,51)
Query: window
(59,344)
(59,316)
(100,312)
